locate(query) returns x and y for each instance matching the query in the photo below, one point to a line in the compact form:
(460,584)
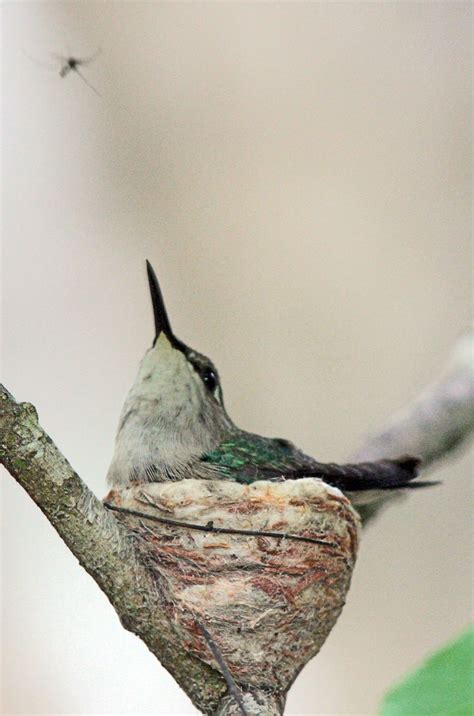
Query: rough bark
(432,427)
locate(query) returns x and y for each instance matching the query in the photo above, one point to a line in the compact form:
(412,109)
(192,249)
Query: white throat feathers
(172,415)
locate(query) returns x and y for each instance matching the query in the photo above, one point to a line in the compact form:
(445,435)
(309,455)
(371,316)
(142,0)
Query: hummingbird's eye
(209,378)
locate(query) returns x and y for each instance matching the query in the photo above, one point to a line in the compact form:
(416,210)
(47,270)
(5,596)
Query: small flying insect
(68,63)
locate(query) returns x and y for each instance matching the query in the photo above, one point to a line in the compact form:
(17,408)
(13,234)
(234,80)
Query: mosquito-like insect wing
(41,63)
(91,58)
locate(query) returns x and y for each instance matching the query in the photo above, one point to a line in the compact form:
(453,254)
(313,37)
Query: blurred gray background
(299,175)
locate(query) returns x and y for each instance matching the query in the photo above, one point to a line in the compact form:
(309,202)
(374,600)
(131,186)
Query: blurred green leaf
(442,686)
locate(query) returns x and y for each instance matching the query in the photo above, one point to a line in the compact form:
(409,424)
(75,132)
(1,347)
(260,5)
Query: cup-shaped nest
(268,591)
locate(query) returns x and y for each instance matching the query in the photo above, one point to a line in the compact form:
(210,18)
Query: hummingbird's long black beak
(159,311)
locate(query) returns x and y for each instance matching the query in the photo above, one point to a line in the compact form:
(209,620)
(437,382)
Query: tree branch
(432,427)
(102,546)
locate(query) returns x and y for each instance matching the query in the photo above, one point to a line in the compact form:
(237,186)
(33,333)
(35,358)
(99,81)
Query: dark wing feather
(246,458)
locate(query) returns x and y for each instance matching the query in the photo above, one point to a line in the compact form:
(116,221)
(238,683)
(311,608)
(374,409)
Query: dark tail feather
(378,475)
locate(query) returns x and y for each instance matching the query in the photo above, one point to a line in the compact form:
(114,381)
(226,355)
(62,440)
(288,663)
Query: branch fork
(256,589)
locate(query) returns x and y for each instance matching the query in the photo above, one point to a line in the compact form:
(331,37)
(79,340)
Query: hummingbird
(174,426)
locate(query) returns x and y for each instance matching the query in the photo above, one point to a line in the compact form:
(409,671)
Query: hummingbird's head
(174,411)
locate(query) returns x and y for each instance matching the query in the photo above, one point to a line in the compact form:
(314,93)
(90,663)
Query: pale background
(299,174)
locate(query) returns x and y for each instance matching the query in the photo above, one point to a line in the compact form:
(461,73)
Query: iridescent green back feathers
(246,457)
